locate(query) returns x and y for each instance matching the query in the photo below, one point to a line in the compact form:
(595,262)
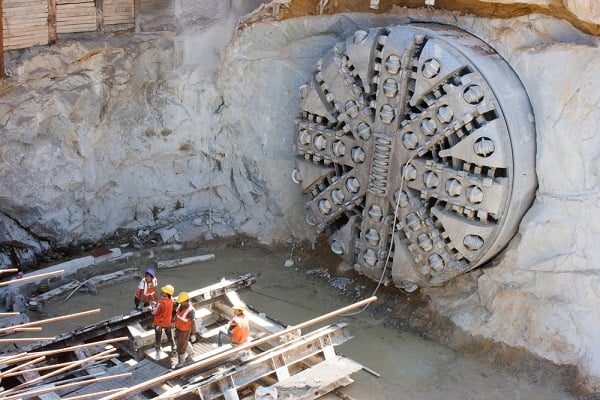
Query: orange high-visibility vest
(163,313)
(145,291)
(183,322)
(241,329)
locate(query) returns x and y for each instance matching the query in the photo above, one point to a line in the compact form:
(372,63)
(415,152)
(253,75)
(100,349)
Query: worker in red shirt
(238,328)
(146,290)
(163,318)
(185,326)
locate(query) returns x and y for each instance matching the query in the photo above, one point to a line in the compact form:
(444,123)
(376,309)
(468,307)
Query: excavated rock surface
(163,136)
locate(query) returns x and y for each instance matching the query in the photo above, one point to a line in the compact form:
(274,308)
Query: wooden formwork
(27,23)
(118,12)
(75,16)
(24,23)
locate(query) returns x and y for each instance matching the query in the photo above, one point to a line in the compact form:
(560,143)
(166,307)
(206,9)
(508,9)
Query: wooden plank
(25,41)
(148,6)
(52,28)
(26,30)
(15,8)
(82,10)
(19,30)
(319,379)
(2,74)
(31,278)
(126,12)
(118,21)
(30,11)
(27,16)
(67,19)
(99,15)
(18,2)
(137,6)
(77,28)
(118,3)
(25,44)
(26,22)
(62,2)
(78,7)
(29,4)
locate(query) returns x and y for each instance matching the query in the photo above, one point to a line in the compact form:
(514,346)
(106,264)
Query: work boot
(157,350)
(181,359)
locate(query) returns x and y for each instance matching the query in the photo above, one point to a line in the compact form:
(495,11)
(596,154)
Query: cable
(387,259)
(210,189)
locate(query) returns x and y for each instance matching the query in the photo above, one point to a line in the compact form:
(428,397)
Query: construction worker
(163,317)
(238,328)
(146,290)
(185,325)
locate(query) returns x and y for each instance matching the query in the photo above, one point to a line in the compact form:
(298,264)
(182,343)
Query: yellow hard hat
(241,307)
(183,296)
(168,289)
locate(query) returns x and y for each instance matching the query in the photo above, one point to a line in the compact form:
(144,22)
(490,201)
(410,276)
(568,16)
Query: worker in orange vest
(146,290)
(185,325)
(163,318)
(238,328)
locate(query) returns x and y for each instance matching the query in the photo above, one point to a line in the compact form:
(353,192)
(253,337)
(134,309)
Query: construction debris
(184,261)
(264,12)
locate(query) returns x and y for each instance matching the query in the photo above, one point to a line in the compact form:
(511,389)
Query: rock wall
(161,131)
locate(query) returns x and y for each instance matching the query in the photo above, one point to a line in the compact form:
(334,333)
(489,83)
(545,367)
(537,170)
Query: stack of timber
(25,23)
(116,359)
(75,16)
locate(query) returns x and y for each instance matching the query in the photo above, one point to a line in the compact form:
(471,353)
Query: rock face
(160,131)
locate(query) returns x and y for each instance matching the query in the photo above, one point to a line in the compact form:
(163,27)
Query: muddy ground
(418,354)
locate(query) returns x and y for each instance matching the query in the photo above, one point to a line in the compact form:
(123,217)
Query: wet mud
(405,347)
